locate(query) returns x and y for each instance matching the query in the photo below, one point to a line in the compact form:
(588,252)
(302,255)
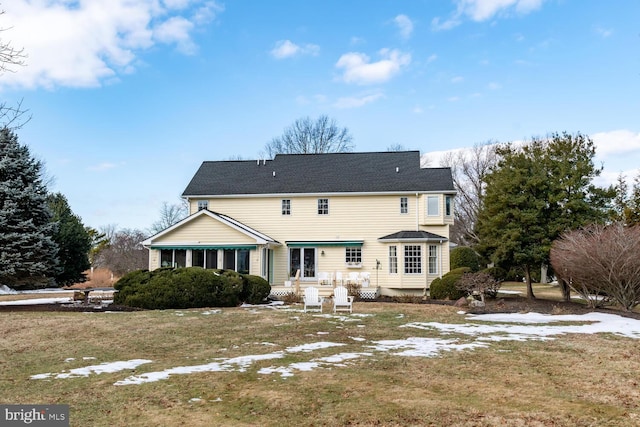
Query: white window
(323,206)
(448,205)
(286,207)
(203,204)
(393,259)
(433,259)
(413,259)
(404,205)
(303,259)
(433,206)
(353,255)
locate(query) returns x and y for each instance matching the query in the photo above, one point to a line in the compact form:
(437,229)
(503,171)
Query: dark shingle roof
(413,235)
(320,173)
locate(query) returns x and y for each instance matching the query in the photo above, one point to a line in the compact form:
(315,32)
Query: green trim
(217,247)
(325,243)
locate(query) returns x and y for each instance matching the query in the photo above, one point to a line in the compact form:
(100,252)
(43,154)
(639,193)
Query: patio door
(303,259)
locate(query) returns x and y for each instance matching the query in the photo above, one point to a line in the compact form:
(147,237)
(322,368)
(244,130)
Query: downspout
(440,257)
(417,213)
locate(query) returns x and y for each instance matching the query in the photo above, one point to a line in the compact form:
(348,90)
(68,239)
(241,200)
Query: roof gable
(320,173)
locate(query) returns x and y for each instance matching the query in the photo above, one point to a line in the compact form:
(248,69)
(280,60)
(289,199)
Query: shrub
(445,287)
(254,289)
(180,288)
(354,290)
(479,284)
(464,256)
(291,298)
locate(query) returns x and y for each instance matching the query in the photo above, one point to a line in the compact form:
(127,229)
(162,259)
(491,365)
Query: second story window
(323,206)
(203,204)
(286,207)
(404,205)
(448,205)
(433,206)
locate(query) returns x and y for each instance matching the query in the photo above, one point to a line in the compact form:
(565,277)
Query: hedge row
(189,287)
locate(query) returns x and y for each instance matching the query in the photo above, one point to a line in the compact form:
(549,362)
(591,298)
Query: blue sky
(129,97)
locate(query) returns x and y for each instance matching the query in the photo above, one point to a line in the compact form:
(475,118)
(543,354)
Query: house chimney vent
(397,169)
(274,173)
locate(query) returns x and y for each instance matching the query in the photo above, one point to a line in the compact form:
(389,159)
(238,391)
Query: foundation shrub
(189,287)
(255,289)
(445,287)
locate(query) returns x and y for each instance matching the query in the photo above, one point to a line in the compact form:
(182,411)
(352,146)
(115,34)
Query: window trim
(393,259)
(203,205)
(412,259)
(404,205)
(437,206)
(285,206)
(353,256)
(448,206)
(323,206)
(432,257)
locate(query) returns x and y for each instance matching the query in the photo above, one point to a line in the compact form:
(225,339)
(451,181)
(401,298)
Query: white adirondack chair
(341,300)
(324,278)
(311,299)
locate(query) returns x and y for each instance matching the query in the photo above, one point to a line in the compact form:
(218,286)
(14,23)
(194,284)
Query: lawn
(387,364)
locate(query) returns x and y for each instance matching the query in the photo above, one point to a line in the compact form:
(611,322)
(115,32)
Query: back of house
(378,219)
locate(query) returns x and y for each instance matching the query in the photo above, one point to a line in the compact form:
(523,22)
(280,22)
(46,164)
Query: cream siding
(205,230)
(361,217)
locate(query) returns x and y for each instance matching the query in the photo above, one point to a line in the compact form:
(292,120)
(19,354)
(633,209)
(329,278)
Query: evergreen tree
(27,249)
(74,242)
(535,193)
(632,211)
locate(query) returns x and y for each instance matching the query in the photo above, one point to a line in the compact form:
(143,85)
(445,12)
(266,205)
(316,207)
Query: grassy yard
(580,380)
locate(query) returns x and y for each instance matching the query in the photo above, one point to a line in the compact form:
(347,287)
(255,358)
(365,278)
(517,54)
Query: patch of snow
(422,347)
(37,301)
(358,338)
(508,292)
(5,290)
(69,359)
(312,346)
(237,364)
(208,312)
(461,312)
(103,368)
(195,400)
(322,333)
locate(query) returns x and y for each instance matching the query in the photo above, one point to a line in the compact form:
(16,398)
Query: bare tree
(11,116)
(469,168)
(307,136)
(600,262)
(169,215)
(124,252)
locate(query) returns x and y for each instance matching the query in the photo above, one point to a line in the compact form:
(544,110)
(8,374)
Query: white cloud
(83,43)
(494,86)
(616,142)
(483,10)
(432,58)
(603,32)
(287,49)
(358,69)
(357,101)
(457,79)
(405,25)
(176,30)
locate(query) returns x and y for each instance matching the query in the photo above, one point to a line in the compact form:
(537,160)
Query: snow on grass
(107,367)
(480,331)
(37,301)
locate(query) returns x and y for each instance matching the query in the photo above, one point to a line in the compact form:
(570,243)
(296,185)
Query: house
(300,217)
